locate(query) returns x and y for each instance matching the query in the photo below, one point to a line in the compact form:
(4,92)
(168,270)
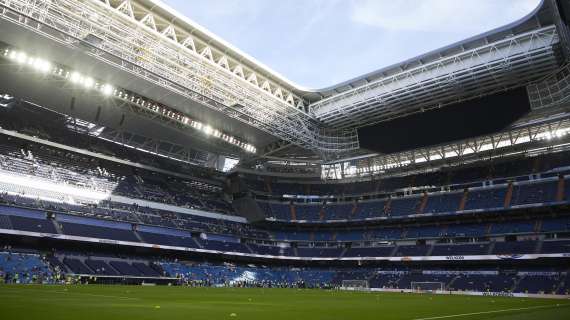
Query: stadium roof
(146,47)
(523,24)
(511,56)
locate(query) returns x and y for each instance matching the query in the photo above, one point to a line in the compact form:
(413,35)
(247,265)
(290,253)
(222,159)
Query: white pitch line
(493,311)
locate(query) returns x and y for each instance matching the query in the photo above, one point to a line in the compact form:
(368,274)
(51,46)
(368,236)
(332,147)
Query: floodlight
(21,57)
(107,89)
(75,77)
(88,82)
(41,65)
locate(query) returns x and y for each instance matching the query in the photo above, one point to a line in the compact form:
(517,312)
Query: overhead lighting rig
(87,82)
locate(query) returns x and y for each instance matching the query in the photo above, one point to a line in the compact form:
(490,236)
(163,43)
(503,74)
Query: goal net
(427,286)
(355,284)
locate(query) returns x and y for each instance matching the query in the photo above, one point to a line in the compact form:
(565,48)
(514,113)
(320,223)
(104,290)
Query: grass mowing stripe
(96,295)
(92,302)
(493,311)
(76,293)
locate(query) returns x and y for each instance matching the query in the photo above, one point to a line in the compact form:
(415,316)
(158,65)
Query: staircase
(515,283)
(371,276)
(55,264)
(491,248)
(138,236)
(136,187)
(293,211)
(430,250)
(179,224)
(488,231)
(538,226)
(377,186)
(560,190)
(536,164)
(57,226)
(198,244)
(508,195)
(463,200)
(393,251)
(423,204)
(387,206)
(354,209)
(343,252)
(538,246)
(133,213)
(249,248)
(322,213)
(268,185)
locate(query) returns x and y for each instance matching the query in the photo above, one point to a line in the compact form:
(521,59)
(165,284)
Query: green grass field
(137,302)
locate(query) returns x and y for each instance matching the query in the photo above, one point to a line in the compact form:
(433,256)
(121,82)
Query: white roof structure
(178,61)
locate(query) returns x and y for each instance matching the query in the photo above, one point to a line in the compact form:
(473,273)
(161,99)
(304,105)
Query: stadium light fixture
(41,65)
(107,89)
(75,77)
(21,57)
(561,133)
(88,83)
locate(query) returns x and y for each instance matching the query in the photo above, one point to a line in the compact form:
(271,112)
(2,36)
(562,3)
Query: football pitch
(138,302)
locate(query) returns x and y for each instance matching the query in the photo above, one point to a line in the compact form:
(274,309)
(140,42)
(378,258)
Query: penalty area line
(493,311)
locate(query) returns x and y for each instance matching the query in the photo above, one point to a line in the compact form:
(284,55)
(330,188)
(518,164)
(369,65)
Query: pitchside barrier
(355,284)
(427,286)
(133,280)
(466,293)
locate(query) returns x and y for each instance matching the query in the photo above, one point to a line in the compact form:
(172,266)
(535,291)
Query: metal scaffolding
(496,66)
(158,147)
(523,137)
(152,45)
(550,91)
(119,35)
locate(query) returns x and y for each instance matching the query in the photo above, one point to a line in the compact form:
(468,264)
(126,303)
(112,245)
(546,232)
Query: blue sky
(317,43)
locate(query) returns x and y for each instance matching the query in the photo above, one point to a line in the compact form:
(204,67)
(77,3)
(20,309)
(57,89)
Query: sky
(319,43)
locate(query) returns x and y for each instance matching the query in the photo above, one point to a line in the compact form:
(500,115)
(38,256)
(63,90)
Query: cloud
(217,8)
(439,15)
(322,42)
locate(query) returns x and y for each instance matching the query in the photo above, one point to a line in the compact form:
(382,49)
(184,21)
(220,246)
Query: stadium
(149,169)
